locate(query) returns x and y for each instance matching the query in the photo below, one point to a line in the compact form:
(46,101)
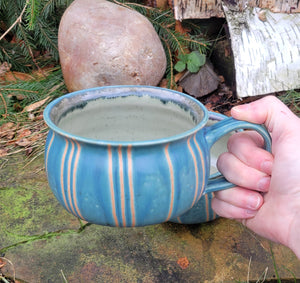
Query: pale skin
(267,196)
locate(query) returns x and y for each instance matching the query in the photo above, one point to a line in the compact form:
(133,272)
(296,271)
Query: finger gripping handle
(218,130)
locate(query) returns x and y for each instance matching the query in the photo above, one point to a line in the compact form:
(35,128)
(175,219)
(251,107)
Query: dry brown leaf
(23,142)
(7,130)
(36,137)
(179,28)
(4,67)
(14,76)
(3,152)
(163,83)
(39,117)
(6,126)
(35,105)
(2,262)
(23,133)
(178,76)
(179,88)
(42,72)
(183,262)
(209,106)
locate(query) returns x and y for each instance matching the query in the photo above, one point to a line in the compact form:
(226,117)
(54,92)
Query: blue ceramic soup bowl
(132,155)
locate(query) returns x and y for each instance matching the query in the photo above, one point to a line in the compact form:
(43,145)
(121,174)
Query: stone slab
(41,242)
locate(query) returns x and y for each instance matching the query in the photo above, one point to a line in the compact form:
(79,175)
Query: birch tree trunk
(265,43)
(266,50)
(195,9)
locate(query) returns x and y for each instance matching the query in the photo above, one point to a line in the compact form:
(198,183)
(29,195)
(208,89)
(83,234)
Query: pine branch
(22,93)
(32,12)
(18,20)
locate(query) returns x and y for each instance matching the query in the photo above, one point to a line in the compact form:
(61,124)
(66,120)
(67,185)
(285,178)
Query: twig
(5,105)
(18,20)
(64,277)
(3,279)
(248,275)
(14,272)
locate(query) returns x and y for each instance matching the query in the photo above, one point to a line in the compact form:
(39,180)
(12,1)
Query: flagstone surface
(41,242)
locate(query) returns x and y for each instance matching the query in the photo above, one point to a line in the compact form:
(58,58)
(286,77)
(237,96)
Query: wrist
(294,235)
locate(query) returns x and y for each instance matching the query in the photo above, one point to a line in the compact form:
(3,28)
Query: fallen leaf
(178,76)
(3,152)
(6,126)
(2,263)
(179,88)
(4,67)
(7,130)
(23,133)
(183,262)
(227,113)
(39,117)
(23,142)
(163,83)
(42,72)
(179,28)
(14,76)
(209,106)
(29,151)
(35,105)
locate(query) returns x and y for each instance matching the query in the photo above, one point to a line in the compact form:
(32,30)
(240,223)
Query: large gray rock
(102,43)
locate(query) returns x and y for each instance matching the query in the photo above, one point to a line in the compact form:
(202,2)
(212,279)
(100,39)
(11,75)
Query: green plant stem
(274,264)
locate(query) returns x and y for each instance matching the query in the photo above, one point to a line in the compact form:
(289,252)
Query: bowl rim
(48,120)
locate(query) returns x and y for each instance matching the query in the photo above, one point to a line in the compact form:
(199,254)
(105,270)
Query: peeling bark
(201,9)
(266,52)
(195,9)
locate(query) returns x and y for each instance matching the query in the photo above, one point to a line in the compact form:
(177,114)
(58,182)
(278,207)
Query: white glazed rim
(56,129)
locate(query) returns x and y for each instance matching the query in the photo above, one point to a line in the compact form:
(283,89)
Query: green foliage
(16,96)
(33,24)
(292,99)
(173,41)
(33,27)
(192,61)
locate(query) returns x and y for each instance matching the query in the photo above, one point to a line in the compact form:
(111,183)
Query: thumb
(277,117)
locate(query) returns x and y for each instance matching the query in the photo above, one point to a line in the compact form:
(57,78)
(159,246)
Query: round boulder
(102,43)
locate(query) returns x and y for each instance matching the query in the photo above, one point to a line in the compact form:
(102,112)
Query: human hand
(267,196)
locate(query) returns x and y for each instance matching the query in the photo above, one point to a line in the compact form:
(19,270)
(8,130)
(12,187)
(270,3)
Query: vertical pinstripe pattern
(122,185)
(171,172)
(131,189)
(202,165)
(62,173)
(76,161)
(48,150)
(196,170)
(69,176)
(111,184)
(179,220)
(121,180)
(68,168)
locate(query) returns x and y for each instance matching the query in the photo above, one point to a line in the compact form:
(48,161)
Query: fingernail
(240,108)
(254,202)
(266,167)
(263,184)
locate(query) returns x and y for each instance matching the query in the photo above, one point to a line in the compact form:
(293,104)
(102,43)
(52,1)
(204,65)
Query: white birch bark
(196,9)
(266,49)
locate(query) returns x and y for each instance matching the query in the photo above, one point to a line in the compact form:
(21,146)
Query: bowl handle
(212,133)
